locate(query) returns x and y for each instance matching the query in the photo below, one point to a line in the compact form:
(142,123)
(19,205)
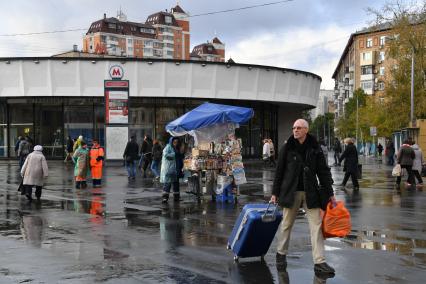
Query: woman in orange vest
(96,162)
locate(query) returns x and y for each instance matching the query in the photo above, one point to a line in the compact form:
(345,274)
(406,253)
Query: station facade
(49,99)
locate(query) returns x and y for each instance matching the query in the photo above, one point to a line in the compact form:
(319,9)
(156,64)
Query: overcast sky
(308,35)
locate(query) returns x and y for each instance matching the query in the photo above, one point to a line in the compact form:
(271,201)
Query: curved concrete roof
(74,77)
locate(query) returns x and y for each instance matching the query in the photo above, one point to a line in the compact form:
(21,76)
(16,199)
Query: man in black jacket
(300,162)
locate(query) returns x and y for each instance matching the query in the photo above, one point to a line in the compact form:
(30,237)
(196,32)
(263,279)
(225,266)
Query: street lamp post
(413,123)
(357,118)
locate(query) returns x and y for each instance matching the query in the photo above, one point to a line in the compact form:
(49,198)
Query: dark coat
(314,167)
(406,155)
(132,150)
(350,155)
(157,152)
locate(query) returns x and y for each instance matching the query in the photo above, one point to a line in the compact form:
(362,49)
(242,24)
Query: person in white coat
(34,171)
(417,164)
(266,153)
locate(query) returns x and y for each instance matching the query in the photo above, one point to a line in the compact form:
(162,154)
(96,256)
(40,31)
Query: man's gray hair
(303,122)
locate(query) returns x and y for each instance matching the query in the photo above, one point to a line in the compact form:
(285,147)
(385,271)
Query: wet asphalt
(121,233)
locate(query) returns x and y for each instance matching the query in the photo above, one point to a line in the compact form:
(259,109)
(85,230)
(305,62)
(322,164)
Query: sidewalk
(122,233)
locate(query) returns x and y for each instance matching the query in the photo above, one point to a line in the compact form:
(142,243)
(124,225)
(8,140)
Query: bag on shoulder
(396,171)
(336,221)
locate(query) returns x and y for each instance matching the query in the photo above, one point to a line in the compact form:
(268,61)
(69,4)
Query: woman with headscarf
(171,169)
(81,168)
(350,155)
(34,171)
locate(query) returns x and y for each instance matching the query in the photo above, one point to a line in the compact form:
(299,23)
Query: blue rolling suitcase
(254,230)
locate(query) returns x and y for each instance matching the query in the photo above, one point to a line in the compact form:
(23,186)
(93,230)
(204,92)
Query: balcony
(347,76)
(352,68)
(367,77)
(351,82)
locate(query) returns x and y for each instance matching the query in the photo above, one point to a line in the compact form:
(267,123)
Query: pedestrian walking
(324,150)
(157,153)
(131,156)
(271,153)
(96,163)
(418,164)
(69,149)
(337,148)
(350,167)
(146,154)
(82,165)
(23,151)
(300,163)
(390,152)
(171,169)
(380,149)
(34,172)
(405,158)
(17,145)
(266,151)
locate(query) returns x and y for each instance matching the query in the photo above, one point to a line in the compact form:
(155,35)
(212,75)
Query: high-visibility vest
(94,154)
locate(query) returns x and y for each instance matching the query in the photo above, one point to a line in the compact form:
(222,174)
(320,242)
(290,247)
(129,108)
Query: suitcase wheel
(228,247)
(236,258)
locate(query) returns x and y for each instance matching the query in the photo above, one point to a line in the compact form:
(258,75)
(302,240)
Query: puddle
(385,241)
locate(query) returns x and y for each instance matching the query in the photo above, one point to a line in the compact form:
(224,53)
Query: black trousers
(336,158)
(418,176)
(28,190)
(354,177)
(410,178)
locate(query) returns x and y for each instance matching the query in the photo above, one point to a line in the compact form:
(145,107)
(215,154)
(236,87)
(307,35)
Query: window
(366,56)
(168,19)
(130,49)
(381,86)
(112,26)
(133,29)
(366,70)
(169,52)
(146,30)
(382,40)
(369,42)
(130,41)
(382,71)
(381,56)
(366,85)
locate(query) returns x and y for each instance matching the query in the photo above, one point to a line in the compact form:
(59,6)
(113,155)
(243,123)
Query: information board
(116,141)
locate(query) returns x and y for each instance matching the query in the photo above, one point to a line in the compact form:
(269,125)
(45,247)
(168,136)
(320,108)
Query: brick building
(210,51)
(163,35)
(364,64)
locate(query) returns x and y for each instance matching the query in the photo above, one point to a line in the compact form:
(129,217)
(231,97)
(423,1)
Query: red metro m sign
(116,72)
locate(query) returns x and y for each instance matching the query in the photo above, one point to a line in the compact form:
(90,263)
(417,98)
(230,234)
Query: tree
(346,125)
(321,125)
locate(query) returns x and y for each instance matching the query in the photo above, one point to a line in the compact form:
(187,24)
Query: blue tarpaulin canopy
(209,114)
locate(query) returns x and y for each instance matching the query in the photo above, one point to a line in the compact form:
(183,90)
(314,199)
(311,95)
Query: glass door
(21,119)
(49,129)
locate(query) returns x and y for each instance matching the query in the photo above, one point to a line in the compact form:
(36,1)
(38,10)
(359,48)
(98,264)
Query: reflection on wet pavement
(121,233)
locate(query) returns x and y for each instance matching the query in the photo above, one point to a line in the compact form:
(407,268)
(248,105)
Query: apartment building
(211,51)
(163,35)
(364,64)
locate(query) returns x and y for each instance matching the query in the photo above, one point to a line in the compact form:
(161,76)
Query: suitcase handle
(269,217)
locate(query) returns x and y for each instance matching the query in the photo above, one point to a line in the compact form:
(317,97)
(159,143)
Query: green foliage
(320,125)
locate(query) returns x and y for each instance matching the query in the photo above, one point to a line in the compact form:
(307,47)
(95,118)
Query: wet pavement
(121,233)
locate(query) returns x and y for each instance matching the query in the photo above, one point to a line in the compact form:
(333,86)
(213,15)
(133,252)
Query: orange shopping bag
(336,221)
